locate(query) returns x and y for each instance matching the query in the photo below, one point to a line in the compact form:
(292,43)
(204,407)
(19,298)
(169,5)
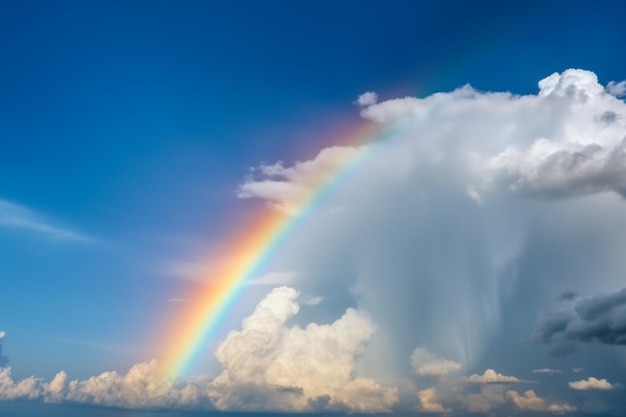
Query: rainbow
(258,239)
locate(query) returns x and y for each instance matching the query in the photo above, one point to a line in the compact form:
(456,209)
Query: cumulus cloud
(429,364)
(591,383)
(143,386)
(367,99)
(15,216)
(492,377)
(429,402)
(529,401)
(549,169)
(269,366)
(31,388)
(600,319)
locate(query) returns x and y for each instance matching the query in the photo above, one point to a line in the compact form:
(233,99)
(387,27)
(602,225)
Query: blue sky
(127,129)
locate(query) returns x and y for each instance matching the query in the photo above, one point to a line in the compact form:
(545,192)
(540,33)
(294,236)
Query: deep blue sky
(132,122)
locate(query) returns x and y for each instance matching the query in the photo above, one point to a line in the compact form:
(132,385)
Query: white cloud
(31,388)
(617,89)
(429,402)
(529,401)
(492,377)
(54,389)
(268,366)
(429,364)
(546,371)
(14,216)
(143,386)
(287,188)
(367,99)
(591,383)
(28,388)
(411,239)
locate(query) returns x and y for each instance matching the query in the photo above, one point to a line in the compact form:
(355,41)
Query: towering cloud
(461,200)
(269,366)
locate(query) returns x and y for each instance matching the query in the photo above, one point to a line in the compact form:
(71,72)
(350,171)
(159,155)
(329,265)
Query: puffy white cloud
(31,388)
(529,401)
(367,99)
(567,140)
(269,366)
(28,388)
(591,383)
(429,402)
(492,377)
(54,389)
(144,385)
(429,364)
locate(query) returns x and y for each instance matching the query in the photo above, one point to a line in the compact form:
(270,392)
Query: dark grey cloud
(599,319)
(568,295)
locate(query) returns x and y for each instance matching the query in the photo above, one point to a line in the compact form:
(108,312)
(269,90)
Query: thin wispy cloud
(17,217)
(546,371)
